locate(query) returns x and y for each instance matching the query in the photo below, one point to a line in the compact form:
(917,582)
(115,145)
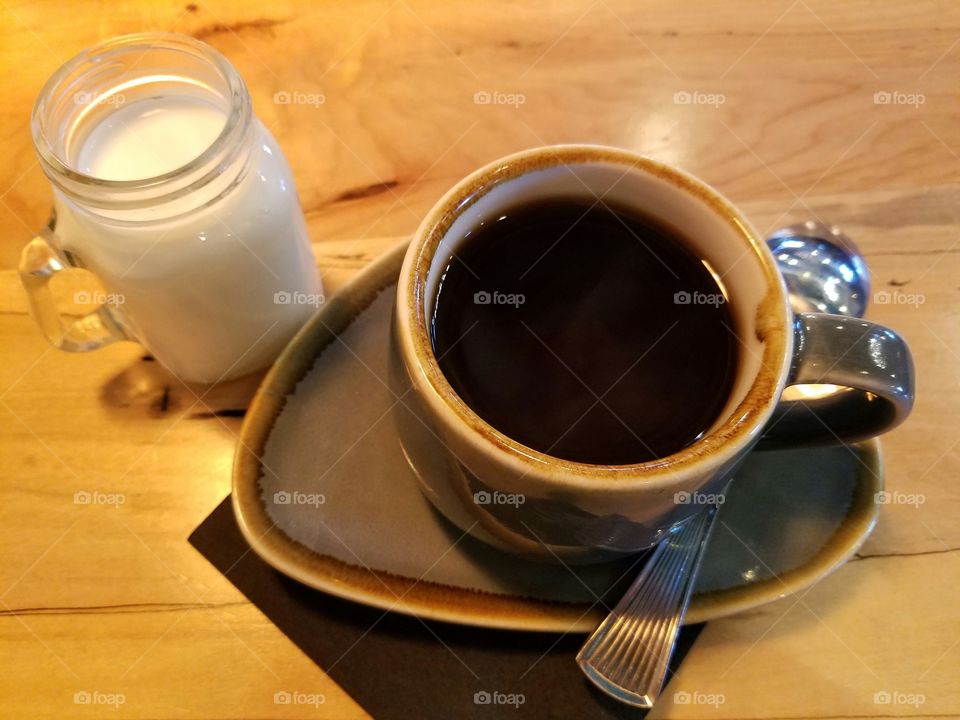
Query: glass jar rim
(205,166)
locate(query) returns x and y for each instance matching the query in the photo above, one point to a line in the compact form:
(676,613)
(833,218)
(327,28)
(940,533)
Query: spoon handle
(628,655)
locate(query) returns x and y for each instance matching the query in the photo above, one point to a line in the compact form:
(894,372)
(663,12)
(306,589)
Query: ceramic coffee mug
(523,500)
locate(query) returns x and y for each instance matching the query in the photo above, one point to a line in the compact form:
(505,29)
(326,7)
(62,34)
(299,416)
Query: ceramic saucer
(322,492)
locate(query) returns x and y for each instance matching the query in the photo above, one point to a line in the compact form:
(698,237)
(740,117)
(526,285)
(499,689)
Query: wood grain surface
(794,109)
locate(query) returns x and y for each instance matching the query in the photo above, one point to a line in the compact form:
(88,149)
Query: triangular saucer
(323,493)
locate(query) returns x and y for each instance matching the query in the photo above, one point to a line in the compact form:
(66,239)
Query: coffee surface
(586,332)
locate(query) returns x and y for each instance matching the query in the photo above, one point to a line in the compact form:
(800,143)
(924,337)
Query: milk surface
(150,137)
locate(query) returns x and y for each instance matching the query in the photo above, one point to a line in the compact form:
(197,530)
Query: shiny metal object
(823,268)
(628,655)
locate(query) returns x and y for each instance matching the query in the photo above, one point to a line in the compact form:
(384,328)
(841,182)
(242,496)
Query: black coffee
(585,332)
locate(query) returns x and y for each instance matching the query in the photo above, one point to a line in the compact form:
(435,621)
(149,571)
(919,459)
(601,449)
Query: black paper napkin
(397,666)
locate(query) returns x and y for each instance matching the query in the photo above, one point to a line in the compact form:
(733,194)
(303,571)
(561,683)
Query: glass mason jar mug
(170,191)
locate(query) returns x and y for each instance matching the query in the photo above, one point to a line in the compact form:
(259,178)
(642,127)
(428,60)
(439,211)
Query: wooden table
(112,598)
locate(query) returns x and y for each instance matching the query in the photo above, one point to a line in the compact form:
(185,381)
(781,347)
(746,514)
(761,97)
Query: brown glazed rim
(719,446)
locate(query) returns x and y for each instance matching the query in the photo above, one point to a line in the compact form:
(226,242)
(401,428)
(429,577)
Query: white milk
(214,290)
(149,137)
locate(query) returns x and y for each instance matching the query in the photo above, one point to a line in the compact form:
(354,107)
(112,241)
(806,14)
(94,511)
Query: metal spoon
(628,655)
(823,268)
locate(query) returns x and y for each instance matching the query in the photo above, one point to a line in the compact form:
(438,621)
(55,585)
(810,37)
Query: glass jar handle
(39,261)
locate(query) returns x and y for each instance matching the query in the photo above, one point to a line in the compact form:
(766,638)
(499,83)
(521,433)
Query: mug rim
(721,445)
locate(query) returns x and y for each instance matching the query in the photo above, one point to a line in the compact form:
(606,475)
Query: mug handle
(870,369)
(40,260)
